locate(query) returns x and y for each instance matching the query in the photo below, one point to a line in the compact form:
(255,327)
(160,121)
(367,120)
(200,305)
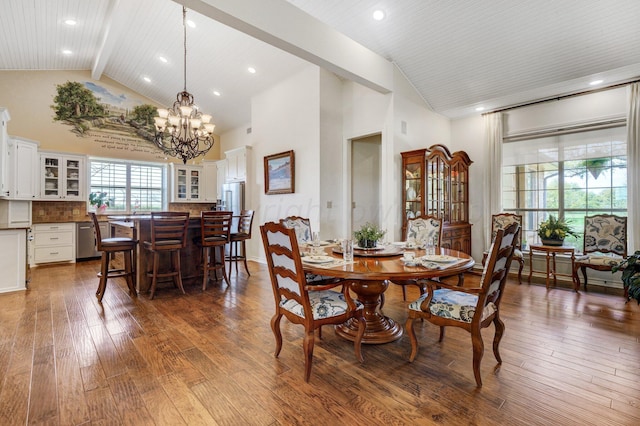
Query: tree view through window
(569,176)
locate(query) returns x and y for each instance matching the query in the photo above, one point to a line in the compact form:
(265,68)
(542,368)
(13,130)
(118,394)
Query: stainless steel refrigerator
(233,197)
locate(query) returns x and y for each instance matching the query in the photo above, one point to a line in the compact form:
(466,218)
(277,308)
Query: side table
(550,253)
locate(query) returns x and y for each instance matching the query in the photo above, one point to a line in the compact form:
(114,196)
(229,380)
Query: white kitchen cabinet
(221,170)
(62,177)
(54,242)
(237,163)
(13,260)
(15,214)
(186,184)
(4,148)
(210,181)
(21,169)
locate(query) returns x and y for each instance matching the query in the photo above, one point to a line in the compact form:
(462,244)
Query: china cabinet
(62,176)
(436,182)
(187,184)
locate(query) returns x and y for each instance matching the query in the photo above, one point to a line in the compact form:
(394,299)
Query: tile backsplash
(76,211)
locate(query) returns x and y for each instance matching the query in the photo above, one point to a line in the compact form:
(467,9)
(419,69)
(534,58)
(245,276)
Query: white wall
(286,117)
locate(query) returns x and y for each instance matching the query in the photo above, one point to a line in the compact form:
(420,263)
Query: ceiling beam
(115,19)
(288,28)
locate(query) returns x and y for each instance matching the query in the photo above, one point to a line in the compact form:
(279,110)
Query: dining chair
(168,235)
(420,230)
(302,228)
(215,227)
(501,221)
(470,308)
(237,241)
(311,306)
(605,245)
(109,247)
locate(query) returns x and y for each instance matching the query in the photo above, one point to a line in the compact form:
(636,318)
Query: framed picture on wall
(279,173)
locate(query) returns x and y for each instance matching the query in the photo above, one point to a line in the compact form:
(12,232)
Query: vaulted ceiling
(458,54)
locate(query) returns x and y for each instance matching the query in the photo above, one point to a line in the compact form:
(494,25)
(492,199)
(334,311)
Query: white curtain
(633,168)
(493,171)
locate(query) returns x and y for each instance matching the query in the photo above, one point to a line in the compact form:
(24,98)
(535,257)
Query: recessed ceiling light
(67,52)
(252,70)
(378,15)
(163,59)
(215,92)
(147,79)
(595,82)
(70,22)
(191,24)
(480,108)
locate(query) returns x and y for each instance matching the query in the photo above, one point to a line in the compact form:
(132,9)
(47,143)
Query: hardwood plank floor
(207,358)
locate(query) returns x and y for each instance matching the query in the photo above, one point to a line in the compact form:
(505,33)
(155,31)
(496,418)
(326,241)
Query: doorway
(366,155)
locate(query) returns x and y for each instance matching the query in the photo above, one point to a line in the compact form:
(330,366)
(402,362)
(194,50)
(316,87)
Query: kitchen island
(139,227)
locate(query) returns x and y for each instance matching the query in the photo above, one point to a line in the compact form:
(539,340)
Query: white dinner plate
(439,258)
(322,243)
(318,259)
(357,247)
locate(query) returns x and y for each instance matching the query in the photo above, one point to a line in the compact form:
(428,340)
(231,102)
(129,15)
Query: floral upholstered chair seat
(605,245)
(324,304)
(453,305)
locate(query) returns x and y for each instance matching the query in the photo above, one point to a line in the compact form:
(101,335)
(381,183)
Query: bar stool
(215,227)
(168,234)
(109,247)
(237,241)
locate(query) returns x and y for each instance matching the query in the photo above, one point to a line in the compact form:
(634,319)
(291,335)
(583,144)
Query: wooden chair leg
(478,352)
(154,279)
(129,271)
(244,257)
(104,273)
(205,266)
(176,255)
(499,325)
(220,249)
(412,337)
(308,343)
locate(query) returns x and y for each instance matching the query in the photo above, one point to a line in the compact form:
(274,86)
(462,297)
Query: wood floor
(207,358)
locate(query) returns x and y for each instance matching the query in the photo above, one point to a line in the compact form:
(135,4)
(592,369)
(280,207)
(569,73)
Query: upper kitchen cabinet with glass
(440,182)
(62,176)
(188,185)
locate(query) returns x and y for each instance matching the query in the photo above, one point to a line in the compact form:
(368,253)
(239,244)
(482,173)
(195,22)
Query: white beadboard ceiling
(458,54)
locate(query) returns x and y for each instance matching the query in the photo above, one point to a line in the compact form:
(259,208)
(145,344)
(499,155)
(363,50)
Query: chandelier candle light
(182,131)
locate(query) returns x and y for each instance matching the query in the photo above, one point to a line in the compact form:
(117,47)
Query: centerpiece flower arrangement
(368,235)
(99,200)
(553,231)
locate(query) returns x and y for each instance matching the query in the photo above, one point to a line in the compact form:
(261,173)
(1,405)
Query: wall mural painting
(116,122)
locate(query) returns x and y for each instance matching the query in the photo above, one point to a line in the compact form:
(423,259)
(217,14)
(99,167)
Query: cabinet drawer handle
(54,252)
(54,238)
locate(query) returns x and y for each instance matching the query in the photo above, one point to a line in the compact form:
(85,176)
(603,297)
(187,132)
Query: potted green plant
(553,231)
(630,268)
(368,235)
(99,201)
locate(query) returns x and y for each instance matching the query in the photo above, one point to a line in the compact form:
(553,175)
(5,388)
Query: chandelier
(182,131)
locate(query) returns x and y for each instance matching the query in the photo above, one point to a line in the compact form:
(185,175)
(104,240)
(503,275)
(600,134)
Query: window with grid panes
(569,175)
(131,186)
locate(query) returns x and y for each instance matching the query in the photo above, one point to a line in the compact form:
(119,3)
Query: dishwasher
(86,239)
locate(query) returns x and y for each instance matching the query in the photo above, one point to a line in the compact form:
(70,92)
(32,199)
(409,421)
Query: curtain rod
(560,97)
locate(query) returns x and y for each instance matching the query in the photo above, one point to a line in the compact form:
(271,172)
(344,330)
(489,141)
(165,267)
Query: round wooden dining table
(369,276)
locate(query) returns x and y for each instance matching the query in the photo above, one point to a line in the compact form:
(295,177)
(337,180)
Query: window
(130,186)
(569,175)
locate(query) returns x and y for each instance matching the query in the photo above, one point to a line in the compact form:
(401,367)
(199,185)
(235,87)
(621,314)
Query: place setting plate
(439,258)
(318,259)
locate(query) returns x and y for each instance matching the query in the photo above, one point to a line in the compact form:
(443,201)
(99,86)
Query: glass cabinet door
(194,184)
(181,184)
(72,177)
(52,171)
